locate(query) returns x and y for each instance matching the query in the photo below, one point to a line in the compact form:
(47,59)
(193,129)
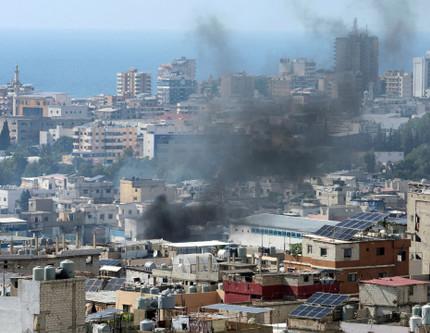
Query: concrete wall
(418,207)
(62,306)
(371,294)
(10,315)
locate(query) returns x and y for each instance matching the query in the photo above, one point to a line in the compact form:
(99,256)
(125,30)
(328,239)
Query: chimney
(94,240)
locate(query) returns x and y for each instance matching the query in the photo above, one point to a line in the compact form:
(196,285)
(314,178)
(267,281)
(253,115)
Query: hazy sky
(255,15)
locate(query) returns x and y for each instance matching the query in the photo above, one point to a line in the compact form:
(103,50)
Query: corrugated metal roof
(268,220)
(199,244)
(237,308)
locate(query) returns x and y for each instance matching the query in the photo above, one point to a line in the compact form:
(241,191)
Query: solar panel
(311,311)
(336,232)
(327,299)
(355,224)
(114,284)
(93,285)
(370,216)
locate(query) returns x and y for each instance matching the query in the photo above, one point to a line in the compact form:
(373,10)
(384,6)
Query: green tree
(23,200)
(5,136)
(370,162)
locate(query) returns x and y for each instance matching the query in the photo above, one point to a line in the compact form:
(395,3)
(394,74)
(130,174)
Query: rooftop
(236,308)
(302,224)
(395,281)
(199,244)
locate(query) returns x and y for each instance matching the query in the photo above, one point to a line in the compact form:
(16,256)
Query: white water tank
(414,322)
(101,328)
(38,273)
(425,311)
(146,325)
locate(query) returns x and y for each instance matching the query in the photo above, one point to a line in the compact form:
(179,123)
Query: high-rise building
(421,76)
(176,81)
(238,85)
(358,52)
(185,66)
(398,84)
(133,83)
(299,72)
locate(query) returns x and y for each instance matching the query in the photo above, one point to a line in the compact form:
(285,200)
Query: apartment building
(102,142)
(140,190)
(349,261)
(418,215)
(398,84)
(133,83)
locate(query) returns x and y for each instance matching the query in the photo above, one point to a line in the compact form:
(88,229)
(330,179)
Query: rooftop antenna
(355,25)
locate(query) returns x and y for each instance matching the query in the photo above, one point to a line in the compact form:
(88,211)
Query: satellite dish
(155,254)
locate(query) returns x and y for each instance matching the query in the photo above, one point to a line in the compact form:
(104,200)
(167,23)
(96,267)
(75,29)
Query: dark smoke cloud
(397,18)
(173,222)
(214,43)
(398,28)
(317,24)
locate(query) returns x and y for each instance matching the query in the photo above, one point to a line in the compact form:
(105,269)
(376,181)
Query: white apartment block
(421,76)
(398,84)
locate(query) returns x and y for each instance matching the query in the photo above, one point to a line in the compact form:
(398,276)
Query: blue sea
(84,63)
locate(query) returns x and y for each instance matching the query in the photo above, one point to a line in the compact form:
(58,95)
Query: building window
(347,253)
(126,308)
(411,290)
(382,274)
(309,248)
(380,251)
(306,278)
(352,277)
(323,252)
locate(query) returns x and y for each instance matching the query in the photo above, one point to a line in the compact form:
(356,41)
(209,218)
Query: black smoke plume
(173,222)
(214,44)
(398,28)
(317,24)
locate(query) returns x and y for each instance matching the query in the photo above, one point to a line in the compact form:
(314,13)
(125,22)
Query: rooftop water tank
(164,266)
(416,310)
(414,322)
(49,273)
(241,252)
(348,312)
(192,289)
(154,291)
(69,267)
(205,288)
(146,325)
(101,328)
(425,312)
(166,301)
(272,251)
(38,273)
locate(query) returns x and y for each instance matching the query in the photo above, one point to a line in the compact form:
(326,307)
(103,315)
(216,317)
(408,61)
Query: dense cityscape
(293,202)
